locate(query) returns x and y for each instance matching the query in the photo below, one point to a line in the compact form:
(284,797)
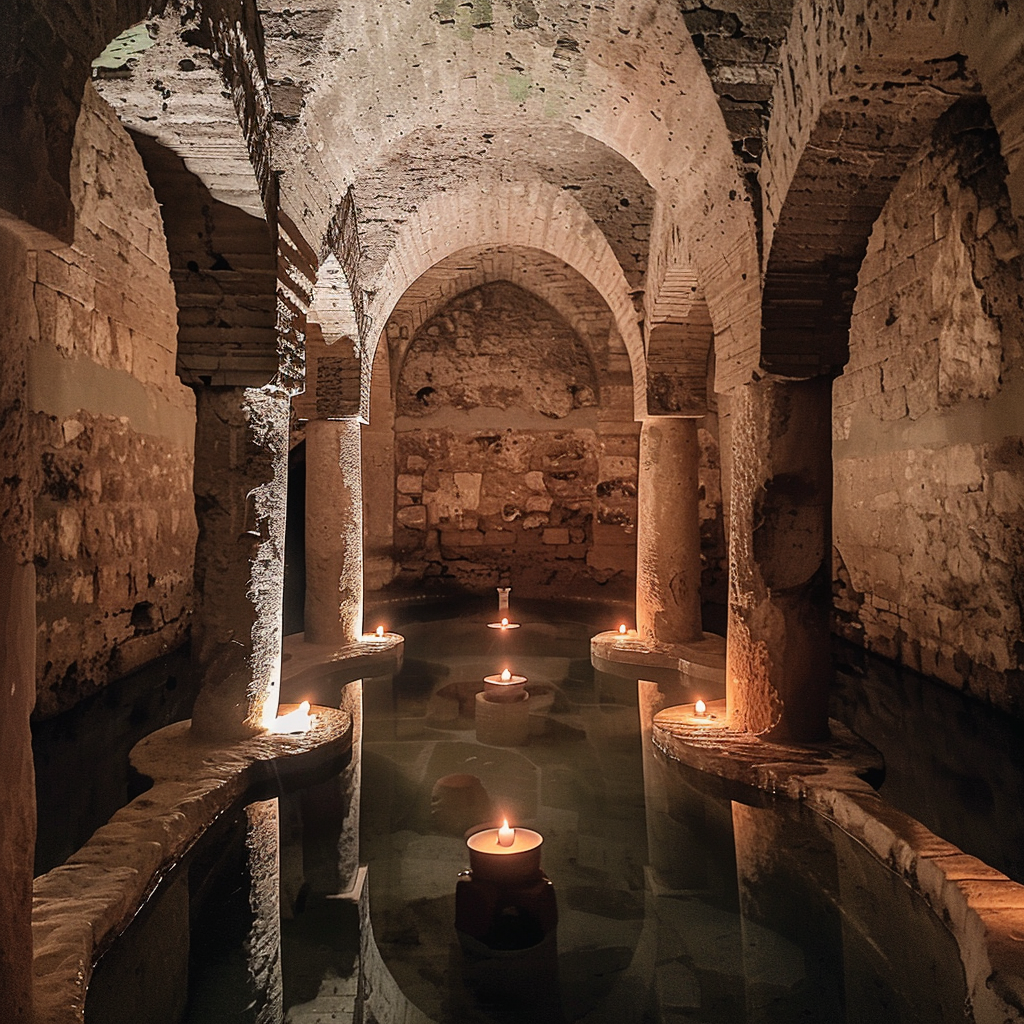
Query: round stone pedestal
(503,723)
(458,802)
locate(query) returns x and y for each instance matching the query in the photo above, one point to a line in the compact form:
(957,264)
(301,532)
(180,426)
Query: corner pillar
(778,666)
(241,478)
(334,532)
(668,532)
(18,794)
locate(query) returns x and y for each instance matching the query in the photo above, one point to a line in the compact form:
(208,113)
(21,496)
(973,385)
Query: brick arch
(46,59)
(626,75)
(538,272)
(496,213)
(174,91)
(337,375)
(860,92)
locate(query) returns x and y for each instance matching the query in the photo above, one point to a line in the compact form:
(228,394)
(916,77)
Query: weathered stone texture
(478,504)
(110,431)
(929,457)
(497,347)
(17,639)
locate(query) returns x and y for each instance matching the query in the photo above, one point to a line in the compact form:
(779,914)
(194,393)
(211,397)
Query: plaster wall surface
(928,446)
(110,430)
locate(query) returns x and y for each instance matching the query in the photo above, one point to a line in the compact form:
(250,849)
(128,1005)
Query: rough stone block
(414,517)
(555,535)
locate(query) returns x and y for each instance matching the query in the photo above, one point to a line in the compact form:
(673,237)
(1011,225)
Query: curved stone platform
(982,908)
(317,672)
(631,656)
(81,907)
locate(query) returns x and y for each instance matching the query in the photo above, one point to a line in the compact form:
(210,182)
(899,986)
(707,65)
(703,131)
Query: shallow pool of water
(677,901)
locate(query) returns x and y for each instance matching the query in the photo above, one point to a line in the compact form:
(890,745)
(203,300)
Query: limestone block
(556,536)
(408,483)
(467,488)
(413,516)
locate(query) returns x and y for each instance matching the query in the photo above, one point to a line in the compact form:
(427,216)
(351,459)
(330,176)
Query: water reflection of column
(671,851)
(334,532)
(792,930)
(689,834)
(264,939)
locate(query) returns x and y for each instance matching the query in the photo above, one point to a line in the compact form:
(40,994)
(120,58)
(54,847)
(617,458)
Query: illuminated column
(334,532)
(241,479)
(778,664)
(668,532)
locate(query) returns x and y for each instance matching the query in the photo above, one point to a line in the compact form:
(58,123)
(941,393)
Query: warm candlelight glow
(622,629)
(506,835)
(504,623)
(299,720)
(380,631)
(505,675)
(700,708)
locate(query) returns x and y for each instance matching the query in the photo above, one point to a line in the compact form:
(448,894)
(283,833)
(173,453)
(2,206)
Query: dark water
(953,763)
(677,900)
(81,756)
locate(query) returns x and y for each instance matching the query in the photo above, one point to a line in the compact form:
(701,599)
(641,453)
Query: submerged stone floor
(691,908)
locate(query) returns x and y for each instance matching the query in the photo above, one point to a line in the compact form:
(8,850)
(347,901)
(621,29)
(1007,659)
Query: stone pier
(778,665)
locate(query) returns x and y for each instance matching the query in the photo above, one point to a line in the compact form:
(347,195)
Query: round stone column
(241,485)
(668,532)
(778,666)
(334,532)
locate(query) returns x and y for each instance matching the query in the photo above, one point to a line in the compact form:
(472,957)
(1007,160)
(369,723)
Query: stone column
(668,532)
(778,666)
(18,793)
(334,532)
(241,478)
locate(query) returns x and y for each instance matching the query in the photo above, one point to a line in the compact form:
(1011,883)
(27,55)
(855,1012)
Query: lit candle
(504,623)
(700,709)
(299,720)
(380,632)
(505,675)
(506,835)
(622,629)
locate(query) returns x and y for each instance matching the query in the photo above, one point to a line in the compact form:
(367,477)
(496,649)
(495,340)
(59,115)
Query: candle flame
(700,707)
(622,629)
(380,631)
(504,623)
(299,720)
(506,835)
(505,675)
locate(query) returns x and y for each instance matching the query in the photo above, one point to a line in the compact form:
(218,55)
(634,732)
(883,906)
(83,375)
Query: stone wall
(507,467)
(111,430)
(929,453)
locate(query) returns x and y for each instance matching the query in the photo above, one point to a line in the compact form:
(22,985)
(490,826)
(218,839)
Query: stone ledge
(981,907)
(80,908)
(630,656)
(317,672)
